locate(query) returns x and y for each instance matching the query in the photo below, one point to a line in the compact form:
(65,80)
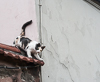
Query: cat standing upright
(27,44)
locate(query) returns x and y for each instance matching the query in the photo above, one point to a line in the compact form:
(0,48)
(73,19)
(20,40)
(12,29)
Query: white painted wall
(71,33)
(13,14)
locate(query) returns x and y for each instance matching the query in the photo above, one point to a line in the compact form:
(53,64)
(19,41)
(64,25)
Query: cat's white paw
(30,56)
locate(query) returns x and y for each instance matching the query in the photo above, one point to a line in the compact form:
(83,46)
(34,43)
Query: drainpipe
(40,32)
(40,20)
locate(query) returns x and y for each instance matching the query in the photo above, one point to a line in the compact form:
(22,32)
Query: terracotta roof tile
(23,58)
(12,48)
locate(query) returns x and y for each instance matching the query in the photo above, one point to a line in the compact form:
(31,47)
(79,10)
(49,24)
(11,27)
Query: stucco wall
(71,33)
(13,14)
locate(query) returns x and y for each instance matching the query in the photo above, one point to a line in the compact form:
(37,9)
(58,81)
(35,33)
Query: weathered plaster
(71,33)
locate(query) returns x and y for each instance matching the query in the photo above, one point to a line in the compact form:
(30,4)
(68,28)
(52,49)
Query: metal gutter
(40,32)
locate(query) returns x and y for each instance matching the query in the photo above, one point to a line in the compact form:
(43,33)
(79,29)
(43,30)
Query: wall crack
(68,71)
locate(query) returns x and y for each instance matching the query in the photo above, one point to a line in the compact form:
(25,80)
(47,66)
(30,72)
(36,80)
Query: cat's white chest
(32,45)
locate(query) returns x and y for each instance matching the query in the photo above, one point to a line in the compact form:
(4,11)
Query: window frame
(95,3)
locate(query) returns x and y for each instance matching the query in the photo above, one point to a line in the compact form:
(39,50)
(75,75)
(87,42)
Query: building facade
(70,30)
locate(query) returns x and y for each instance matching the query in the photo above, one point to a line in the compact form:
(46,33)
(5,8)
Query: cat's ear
(43,47)
(38,45)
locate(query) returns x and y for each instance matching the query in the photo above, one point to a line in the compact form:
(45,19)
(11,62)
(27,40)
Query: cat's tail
(24,26)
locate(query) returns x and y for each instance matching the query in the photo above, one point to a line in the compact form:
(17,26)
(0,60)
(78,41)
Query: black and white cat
(27,44)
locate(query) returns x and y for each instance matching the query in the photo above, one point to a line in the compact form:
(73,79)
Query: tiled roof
(22,58)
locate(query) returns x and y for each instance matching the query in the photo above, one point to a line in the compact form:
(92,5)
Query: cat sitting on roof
(27,44)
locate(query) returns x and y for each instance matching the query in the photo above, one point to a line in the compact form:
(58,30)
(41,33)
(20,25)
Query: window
(95,3)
